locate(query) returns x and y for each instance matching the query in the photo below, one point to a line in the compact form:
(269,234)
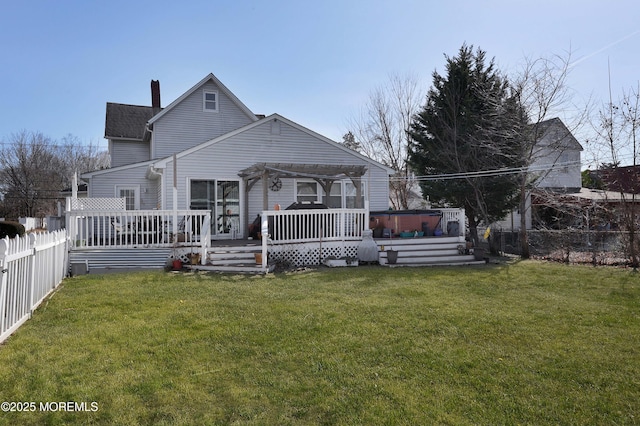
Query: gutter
(153,173)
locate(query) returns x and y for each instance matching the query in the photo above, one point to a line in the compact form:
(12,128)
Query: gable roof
(202,82)
(555,131)
(163,162)
(126,121)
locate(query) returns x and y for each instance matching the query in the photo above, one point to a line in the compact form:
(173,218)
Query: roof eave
(201,83)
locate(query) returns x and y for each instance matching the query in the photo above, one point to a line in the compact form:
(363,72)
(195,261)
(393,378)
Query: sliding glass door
(222,198)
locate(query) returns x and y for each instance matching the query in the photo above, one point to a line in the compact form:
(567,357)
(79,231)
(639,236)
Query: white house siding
(104,184)
(125,152)
(224,159)
(559,176)
(187,125)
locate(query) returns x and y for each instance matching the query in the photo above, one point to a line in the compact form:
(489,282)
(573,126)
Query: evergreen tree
(469,127)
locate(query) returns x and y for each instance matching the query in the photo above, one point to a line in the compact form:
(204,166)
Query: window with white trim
(210,100)
(350,195)
(307,191)
(343,195)
(131,195)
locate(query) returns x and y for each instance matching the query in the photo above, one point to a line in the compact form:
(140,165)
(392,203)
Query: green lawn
(526,343)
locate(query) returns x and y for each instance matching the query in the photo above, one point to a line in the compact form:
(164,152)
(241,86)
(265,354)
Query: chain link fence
(569,246)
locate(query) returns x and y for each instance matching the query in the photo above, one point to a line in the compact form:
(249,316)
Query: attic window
(210,101)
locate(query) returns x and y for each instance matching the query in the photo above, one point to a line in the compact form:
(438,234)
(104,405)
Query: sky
(315,63)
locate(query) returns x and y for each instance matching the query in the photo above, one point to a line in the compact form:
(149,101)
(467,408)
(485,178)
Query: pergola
(324,174)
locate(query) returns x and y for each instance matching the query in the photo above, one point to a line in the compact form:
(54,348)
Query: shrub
(11,229)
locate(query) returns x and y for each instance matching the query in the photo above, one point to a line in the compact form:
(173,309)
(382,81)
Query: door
(227,212)
(222,199)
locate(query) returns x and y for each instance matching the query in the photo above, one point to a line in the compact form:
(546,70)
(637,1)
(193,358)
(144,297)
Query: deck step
(426,251)
(239,268)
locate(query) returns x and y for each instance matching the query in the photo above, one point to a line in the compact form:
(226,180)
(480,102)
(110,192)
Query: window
(350,198)
(210,101)
(342,194)
(334,201)
(131,195)
(306,191)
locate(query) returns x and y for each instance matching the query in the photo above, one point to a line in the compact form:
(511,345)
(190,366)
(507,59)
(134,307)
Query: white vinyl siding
(104,185)
(187,124)
(226,158)
(125,152)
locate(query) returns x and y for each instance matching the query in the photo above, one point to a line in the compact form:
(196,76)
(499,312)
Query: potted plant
(176,263)
(194,258)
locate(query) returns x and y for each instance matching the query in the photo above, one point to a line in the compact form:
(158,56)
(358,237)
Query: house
(207,150)
(555,169)
(206,176)
(617,178)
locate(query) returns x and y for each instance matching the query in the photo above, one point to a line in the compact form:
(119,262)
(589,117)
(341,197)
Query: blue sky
(312,62)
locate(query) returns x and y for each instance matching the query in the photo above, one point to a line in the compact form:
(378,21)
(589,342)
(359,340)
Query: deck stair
(429,251)
(238,256)
(233,257)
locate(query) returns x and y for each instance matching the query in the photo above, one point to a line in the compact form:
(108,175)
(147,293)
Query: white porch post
(175,198)
(74,185)
(264,229)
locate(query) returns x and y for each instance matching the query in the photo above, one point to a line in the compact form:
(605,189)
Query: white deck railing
(138,228)
(297,226)
(454,215)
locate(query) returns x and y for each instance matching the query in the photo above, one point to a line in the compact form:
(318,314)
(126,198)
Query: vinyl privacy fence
(32,267)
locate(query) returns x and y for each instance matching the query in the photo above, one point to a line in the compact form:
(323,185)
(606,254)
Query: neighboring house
(556,167)
(621,179)
(594,209)
(206,150)
(557,158)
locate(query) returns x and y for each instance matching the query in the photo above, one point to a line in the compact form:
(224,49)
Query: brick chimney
(155,96)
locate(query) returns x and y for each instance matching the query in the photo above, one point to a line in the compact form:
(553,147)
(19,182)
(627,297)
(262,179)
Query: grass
(527,343)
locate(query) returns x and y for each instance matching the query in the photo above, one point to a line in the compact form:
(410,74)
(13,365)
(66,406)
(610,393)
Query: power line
(489,173)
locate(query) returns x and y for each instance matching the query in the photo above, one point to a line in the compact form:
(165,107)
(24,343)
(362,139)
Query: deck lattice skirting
(303,254)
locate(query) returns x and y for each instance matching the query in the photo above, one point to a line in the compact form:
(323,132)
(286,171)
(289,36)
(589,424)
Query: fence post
(32,273)
(4,274)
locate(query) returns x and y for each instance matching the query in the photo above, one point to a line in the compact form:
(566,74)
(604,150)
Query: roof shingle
(126,121)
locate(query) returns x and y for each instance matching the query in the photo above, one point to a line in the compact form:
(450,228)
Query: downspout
(155,174)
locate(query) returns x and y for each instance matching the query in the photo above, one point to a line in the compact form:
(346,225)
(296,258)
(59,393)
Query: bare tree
(34,169)
(80,158)
(382,132)
(542,90)
(30,173)
(618,128)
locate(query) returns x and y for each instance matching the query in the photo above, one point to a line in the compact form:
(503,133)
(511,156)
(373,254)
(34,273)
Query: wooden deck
(239,256)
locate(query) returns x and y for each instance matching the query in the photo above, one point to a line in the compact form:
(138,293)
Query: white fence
(32,267)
